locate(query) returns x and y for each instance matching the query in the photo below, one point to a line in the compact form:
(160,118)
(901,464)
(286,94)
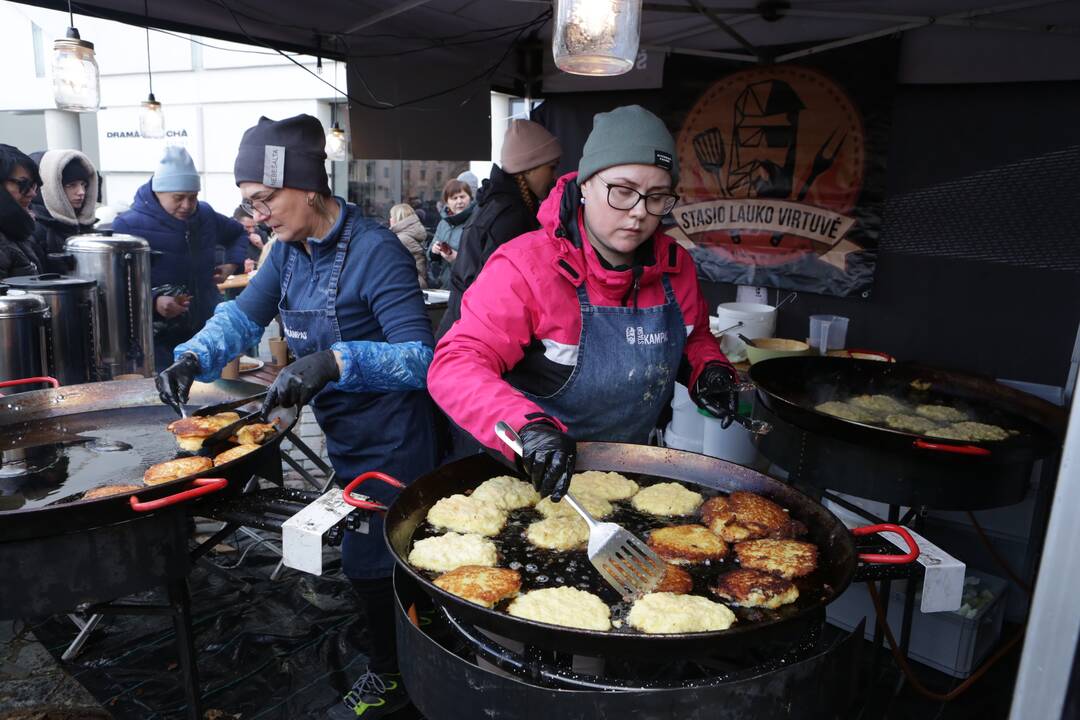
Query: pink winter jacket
(525,302)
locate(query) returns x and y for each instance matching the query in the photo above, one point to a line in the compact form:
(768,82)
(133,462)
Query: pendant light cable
(71,16)
(149,72)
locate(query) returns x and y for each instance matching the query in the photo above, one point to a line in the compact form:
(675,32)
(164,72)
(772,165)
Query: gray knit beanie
(628,135)
(284,153)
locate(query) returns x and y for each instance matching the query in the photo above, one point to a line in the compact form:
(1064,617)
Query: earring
(311,201)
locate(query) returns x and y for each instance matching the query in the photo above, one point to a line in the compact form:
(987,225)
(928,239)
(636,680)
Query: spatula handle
(509,436)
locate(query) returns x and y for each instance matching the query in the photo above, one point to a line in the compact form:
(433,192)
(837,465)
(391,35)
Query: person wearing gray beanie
(568,327)
(347,293)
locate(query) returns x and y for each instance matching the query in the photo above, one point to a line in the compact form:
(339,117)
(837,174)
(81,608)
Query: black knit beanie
(284,153)
(74,170)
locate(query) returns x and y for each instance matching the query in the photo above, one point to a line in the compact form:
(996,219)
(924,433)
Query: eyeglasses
(622,197)
(25,185)
(262,207)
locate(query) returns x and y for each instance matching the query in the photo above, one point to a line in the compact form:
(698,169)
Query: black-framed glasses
(622,197)
(25,185)
(257,206)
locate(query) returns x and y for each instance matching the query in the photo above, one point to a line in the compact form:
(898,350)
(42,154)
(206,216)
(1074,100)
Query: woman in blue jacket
(185,234)
(347,293)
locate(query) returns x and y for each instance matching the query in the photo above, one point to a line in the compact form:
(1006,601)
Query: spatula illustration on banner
(623,560)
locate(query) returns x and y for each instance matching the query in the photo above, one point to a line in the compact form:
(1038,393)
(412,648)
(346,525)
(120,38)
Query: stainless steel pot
(72,351)
(23,317)
(121,266)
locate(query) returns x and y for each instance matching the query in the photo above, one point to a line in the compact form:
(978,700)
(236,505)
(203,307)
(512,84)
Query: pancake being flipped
(481,585)
(107,490)
(255,433)
(667,499)
(747,516)
(506,493)
(232,454)
(564,606)
(662,613)
(676,580)
(560,533)
(191,431)
(687,544)
(786,558)
(175,469)
(754,589)
(597,507)
(610,486)
(463,514)
(444,553)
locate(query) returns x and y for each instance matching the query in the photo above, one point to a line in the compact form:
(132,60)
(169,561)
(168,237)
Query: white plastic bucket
(758,321)
(686,421)
(734,444)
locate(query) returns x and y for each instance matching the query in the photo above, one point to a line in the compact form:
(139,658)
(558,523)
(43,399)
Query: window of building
(416,182)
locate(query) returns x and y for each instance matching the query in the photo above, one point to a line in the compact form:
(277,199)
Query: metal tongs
(622,559)
(757,427)
(227,406)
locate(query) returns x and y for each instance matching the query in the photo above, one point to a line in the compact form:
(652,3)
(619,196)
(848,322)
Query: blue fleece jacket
(177,240)
(386,335)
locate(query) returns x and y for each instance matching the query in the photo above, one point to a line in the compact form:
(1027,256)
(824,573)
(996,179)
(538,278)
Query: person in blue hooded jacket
(347,293)
(186,235)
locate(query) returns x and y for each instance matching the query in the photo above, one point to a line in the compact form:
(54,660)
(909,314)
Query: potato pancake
(879,404)
(481,585)
(558,533)
(747,516)
(564,606)
(107,490)
(687,544)
(663,613)
(232,454)
(941,413)
(175,469)
(597,507)
(754,589)
(444,553)
(191,431)
(667,499)
(506,493)
(463,514)
(786,558)
(607,485)
(676,580)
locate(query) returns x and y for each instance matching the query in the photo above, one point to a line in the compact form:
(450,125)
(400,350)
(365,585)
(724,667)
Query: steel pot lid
(17,304)
(49,282)
(102,243)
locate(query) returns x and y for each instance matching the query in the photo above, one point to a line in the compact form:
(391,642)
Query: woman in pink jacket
(577,331)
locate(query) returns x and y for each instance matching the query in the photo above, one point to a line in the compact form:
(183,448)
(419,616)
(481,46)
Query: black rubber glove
(714,391)
(174,382)
(297,383)
(548,455)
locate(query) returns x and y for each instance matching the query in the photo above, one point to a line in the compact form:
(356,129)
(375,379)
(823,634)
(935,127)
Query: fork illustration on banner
(824,160)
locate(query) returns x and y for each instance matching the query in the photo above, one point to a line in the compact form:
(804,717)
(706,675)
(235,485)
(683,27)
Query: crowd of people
(571,314)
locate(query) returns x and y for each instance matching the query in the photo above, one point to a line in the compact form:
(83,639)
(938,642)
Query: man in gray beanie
(347,294)
(606,309)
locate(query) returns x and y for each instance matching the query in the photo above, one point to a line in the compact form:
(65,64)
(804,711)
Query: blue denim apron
(391,432)
(625,371)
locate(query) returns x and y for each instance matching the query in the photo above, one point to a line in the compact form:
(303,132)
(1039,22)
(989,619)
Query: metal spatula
(623,560)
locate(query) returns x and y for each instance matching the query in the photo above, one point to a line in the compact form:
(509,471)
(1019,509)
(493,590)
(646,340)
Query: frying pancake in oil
(748,516)
(786,558)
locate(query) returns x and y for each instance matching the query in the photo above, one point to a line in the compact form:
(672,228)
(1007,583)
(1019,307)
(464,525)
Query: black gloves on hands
(174,382)
(297,383)
(715,392)
(548,455)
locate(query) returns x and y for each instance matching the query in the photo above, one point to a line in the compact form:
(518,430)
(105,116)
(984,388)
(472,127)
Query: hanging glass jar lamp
(337,144)
(596,37)
(75,76)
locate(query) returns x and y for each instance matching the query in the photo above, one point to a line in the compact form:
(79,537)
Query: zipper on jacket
(632,291)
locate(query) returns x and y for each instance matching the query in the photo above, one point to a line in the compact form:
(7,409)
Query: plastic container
(946,641)
(827,332)
(734,443)
(758,321)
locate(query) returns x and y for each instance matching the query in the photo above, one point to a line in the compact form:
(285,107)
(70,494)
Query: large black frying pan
(791,388)
(837,559)
(126,426)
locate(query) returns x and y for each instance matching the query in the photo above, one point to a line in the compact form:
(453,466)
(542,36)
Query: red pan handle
(957,449)
(203,486)
(26,381)
(913,549)
(360,480)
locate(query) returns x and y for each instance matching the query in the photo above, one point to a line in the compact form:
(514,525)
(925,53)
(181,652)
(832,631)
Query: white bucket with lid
(758,321)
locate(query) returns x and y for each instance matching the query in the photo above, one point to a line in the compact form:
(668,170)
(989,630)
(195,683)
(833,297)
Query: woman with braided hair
(506,205)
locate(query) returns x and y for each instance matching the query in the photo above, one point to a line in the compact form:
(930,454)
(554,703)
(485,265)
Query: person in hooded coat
(457,207)
(167,213)
(19,250)
(67,202)
(405,223)
(506,205)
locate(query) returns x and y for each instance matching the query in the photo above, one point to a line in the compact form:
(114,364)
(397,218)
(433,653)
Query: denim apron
(391,432)
(625,371)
